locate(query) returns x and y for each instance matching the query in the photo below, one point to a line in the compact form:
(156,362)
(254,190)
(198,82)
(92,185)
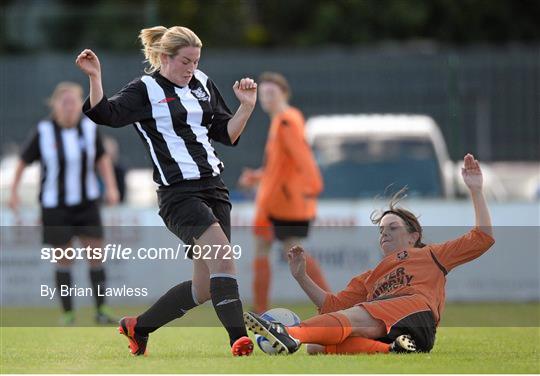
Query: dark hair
(278,79)
(411,221)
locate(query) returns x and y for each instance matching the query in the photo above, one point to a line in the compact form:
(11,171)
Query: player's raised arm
(246,92)
(89,63)
(127,106)
(478,240)
(472,177)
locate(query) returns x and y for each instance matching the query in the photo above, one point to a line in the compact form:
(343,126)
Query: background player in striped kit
(177,110)
(69,149)
(289,183)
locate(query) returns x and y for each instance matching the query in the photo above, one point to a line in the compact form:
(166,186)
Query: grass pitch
(205,350)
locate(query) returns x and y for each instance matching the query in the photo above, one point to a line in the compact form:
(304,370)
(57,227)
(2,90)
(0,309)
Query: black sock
(63,277)
(226,301)
(172,305)
(97,278)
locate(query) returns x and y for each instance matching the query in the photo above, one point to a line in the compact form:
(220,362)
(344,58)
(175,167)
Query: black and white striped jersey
(176,124)
(68,162)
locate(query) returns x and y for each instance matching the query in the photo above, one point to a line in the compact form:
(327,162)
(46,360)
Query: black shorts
(290,229)
(62,223)
(190,207)
(420,326)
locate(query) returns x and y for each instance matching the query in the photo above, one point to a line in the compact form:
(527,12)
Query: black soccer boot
(274,332)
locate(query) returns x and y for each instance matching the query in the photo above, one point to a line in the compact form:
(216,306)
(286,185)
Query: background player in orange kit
(290,182)
(395,307)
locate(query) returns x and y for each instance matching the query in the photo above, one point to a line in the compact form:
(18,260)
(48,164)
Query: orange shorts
(393,310)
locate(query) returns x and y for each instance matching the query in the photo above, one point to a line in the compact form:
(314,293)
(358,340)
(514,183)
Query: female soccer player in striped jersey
(71,153)
(395,307)
(177,110)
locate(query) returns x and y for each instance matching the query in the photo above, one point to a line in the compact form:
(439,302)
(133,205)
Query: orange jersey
(291,180)
(416,272)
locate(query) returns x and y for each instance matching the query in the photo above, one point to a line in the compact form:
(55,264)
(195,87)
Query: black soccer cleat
(403,344)
(274,332)
(137,343)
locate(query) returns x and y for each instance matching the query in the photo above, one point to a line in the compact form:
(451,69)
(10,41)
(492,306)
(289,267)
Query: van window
(361,168)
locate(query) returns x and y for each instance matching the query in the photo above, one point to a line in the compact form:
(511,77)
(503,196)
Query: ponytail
(151,41)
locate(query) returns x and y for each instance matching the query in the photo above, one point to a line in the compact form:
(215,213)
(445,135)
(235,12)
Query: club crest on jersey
(402,255)
(200,94)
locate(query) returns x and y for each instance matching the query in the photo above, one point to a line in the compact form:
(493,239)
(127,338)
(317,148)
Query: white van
(361,155)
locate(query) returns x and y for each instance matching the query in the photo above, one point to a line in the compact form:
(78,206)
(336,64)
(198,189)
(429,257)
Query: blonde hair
(160,40)
(61,88)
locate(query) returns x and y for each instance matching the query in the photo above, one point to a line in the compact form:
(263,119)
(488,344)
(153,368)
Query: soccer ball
(281,315)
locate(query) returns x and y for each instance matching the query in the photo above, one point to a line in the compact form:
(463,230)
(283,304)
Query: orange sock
(327,329)
(356,345)
(313,270)
(261,283)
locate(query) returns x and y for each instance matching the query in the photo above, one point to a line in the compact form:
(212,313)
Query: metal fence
(485,99)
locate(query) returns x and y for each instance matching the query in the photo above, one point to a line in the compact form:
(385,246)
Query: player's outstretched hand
(88,62)
(249,178)
(471,173)
(246,91)
(112,197)
(297,261)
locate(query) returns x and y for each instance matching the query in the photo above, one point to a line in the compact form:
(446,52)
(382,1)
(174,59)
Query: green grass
(204,350)
(455,315)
